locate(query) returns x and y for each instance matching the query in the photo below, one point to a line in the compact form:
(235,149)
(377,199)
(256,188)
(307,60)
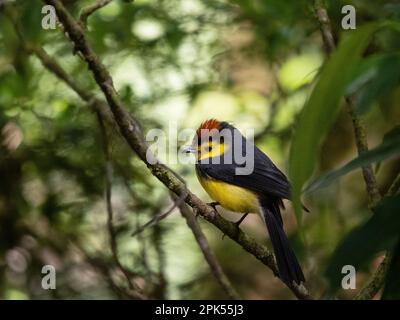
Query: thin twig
(130,129)
(58,242)
(156,219)
(376,282)
(110,214)
(325,26)
(143,251)
(394,188)
(210,257)
(89,10)
(141,239)
(274,108)
(100,109)
(54,67)
(160,290)
(374,195)
(105,271)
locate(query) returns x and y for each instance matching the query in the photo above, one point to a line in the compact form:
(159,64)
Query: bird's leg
(237,223)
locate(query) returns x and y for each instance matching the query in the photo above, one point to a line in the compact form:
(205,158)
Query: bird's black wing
(266,179)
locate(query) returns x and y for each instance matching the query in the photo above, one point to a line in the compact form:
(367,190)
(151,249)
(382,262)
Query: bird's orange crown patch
(209,125)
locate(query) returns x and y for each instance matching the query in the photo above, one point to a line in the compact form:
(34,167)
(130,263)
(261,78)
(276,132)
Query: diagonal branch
(209,255)
(141,239)
(89,10)
(374,195)
(156,219)
(325,26)
(378,278)
(130,129)
(246,242)
(110,212)
(376,282)
(97,105)
(394,187)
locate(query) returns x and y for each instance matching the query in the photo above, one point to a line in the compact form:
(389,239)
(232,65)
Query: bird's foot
(214,205)
(237,224)
(211,204)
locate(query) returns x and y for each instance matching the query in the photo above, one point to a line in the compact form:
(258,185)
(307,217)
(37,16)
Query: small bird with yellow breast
(219,149)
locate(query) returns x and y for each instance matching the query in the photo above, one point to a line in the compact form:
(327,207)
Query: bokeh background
(250,62)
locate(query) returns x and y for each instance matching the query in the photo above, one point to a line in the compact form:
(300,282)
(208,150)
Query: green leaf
(375,76)
(389,148)
(320,111)
(392,282)
(380,232)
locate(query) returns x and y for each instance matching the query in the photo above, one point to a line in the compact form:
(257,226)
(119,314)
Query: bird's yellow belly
(230,197)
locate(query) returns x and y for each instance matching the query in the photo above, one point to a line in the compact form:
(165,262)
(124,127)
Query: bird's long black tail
(288,266)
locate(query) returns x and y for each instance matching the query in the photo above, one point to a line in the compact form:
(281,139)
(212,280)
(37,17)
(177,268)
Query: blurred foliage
(389,148)
(377,75)
(392,285)
(321,109)
(251,62)
(367,240)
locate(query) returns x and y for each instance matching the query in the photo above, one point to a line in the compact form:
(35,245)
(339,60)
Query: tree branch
(156,219)
(208,254)
(105,271)
(89,10)
(111,231)
(97,105)
(130,129)
(374,195)
(394,188)
(161,289)
(141,239)
(325,26)
(376,282)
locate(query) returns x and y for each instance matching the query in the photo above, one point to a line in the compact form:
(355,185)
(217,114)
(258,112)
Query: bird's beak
(188,149)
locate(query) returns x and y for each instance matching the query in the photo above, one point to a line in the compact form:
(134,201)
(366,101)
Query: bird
(216,145)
